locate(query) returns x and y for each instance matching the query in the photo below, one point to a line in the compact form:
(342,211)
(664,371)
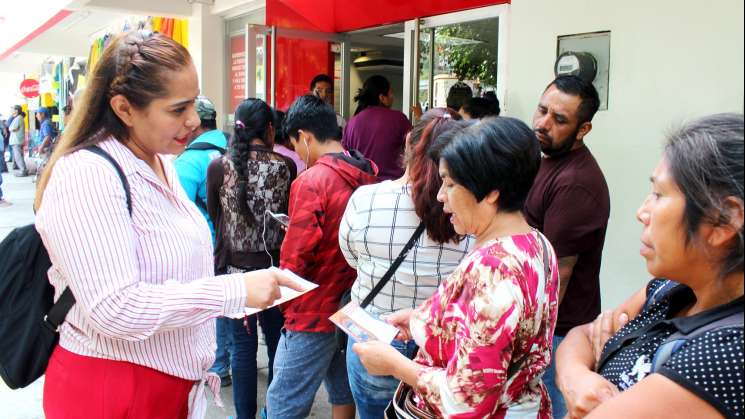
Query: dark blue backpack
(29,317)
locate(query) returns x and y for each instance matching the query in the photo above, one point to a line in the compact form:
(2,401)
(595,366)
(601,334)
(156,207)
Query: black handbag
(341,337)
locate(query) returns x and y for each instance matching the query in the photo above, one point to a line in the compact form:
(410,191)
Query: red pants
(78,387)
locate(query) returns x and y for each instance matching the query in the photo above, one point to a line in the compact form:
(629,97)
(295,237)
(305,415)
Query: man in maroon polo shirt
(569,203)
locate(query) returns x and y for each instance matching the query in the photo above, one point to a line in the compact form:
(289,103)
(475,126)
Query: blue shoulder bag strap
(676,341)
(59,310)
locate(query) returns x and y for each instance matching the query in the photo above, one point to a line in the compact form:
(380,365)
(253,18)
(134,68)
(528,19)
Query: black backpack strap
(659,293)
(205,146)
(101,152)
(394,266)
(59,310)
(62,306)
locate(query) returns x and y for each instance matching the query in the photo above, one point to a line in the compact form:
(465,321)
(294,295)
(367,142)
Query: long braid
(253,118)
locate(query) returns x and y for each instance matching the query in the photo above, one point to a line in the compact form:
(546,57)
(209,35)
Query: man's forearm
(566,267)
(574,354)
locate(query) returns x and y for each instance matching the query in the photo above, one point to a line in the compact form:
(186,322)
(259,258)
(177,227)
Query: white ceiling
(72,36)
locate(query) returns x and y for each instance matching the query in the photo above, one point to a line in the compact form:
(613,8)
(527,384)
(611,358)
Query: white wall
(671,60)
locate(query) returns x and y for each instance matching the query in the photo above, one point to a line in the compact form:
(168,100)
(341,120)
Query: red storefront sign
(237,71)
(30,88)
(349,15)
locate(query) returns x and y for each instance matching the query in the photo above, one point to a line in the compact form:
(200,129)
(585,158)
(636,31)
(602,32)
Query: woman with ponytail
(242,187)
(377,224)
(376,130)
(136,255)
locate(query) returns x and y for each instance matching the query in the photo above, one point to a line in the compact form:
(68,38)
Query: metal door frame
(412,34)
(270,34)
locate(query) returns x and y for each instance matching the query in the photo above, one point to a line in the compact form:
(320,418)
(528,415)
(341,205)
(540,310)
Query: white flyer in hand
(287,293)
(361,326)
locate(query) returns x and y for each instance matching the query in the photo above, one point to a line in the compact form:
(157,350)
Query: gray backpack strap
(676,341)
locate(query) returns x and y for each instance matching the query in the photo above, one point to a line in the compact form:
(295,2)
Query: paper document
(361,326)
(287,293)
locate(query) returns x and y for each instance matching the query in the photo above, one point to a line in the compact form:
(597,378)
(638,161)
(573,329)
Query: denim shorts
(304,360)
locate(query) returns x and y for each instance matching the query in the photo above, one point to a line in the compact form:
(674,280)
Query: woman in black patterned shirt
(250,180)
(681,353)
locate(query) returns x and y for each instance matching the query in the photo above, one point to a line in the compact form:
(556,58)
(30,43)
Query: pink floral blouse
(495,310)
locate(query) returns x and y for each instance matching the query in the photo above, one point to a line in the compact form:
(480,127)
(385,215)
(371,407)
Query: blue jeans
(303,361)
(245,348)
(549,379)
(373,393)
(3,166)
(1,185)
(224,350)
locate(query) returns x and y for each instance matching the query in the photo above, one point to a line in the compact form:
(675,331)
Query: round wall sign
(30,88)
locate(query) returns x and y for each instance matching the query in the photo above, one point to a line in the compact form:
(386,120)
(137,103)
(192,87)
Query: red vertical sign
(237,71)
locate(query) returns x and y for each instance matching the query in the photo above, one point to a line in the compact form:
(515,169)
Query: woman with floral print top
(485,335)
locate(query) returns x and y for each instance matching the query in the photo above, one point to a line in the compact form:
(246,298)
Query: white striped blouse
(144,285)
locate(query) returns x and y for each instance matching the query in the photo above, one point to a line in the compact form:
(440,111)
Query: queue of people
(497,302)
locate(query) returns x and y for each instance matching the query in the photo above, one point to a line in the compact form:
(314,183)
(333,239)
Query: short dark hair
(208,124)
(705,158)
(458,94)
(312,114)
(498,154)
(320,78)
(479,107)
(575,86)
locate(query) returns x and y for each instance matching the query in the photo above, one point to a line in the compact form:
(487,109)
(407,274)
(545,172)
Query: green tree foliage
(466,59)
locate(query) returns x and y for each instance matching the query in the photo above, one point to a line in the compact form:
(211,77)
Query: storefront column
(206,45)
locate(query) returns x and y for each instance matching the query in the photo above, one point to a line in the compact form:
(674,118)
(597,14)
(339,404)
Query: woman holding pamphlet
(130,249)
(378,222)
(485,334)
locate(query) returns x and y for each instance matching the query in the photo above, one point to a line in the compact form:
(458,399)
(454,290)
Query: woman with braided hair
(241,187)
(132,248)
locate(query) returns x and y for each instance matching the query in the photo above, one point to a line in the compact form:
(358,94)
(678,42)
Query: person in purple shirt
(376,130)
(282,144)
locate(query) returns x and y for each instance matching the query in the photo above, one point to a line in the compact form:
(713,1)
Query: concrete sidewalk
(27,403)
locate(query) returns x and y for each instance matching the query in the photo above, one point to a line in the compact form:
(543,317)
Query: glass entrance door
(466,46)
(280,64)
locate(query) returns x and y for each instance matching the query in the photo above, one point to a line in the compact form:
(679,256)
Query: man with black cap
(191,166)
